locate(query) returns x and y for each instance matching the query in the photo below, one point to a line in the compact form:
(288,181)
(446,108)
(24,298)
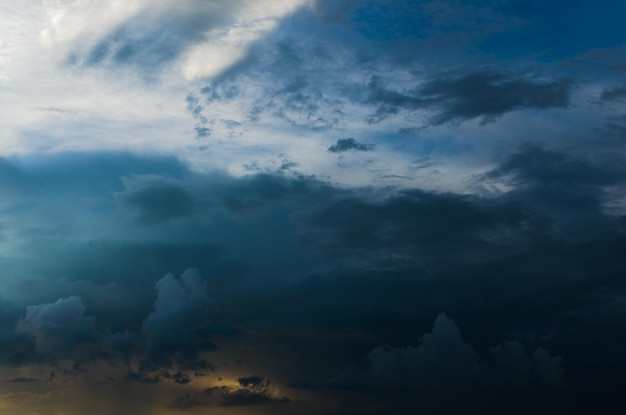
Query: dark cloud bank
(152,267)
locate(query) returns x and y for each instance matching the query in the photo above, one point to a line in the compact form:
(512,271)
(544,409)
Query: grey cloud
(60,328)
(557,184)
(252,391)
(443,364)
(24,380)
(441,357)
(142,378)
(464,96)
(350,144)
(381,261)
(224,396)
(169,332)
(296,92)
(156,199)
(532,164)
(253,381)
(614,94)
(335,12)
(410,223)
(142,42)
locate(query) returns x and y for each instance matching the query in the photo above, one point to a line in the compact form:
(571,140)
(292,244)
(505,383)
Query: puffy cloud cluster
(60,329)
(444,371)
(169,332)
(443,360)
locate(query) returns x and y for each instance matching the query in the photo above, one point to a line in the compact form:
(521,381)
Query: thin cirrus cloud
(208,36)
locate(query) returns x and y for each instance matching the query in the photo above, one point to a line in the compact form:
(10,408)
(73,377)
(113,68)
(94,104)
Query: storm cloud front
(311,206)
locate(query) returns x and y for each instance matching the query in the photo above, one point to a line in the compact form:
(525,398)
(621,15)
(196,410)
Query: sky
(312,206)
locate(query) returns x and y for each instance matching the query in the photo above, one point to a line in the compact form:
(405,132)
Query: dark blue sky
(312,206)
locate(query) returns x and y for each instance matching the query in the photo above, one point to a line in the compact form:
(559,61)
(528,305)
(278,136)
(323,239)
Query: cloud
(253,381)
(441,357)
(132,33)
(410,223)
(443,371)
(458,97)
(335,12)
(171,332)
(350,144)
(59,329)
(252,391)
(614,94)
(24,380)
(156,199)
(382,260)
(557,184)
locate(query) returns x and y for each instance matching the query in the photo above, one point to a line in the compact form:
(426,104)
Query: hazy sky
(312,206)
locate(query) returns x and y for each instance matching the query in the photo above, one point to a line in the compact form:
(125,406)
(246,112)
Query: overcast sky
(312,206)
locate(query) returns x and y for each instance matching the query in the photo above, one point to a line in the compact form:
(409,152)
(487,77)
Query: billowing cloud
(444,370)
(59,329)
(169,332)
(197,196)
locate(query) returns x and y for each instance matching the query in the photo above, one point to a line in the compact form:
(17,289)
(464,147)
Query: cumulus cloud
(58,329)
(443,364)
(441,357)
(171,331)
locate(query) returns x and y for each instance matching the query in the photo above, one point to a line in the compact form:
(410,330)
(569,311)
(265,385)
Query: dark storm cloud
(59,329)
(99,172)
(614,94)
(253,381)
(448,224)
(486,94)
(156,199)
(350,144)
(557,184)
(170,332)
(357,267)
(142,378)
(444,363)
(178,329)
(24,380)
(616,126)
(444,372)
(252,391)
